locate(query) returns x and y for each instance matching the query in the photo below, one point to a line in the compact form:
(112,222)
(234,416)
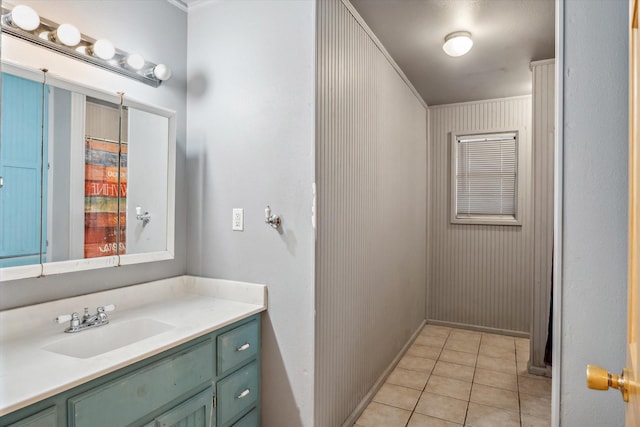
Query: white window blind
(486,177)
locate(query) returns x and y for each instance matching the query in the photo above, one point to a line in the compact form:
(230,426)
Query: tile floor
(454,377)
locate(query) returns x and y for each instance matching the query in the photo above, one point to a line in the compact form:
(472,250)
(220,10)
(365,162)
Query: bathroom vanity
(180,351)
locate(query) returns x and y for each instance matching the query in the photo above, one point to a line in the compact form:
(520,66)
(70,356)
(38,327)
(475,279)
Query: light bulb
(458,43)
(135,61)
(162,72)
(22,17)
(102,49)
(66,34)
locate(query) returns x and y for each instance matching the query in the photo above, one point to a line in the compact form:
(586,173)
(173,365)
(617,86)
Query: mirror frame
(83,264)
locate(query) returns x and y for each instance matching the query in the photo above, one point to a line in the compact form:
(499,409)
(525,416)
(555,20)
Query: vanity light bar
(67,40)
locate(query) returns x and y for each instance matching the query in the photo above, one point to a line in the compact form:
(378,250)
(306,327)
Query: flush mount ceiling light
(458,43)
(24,23)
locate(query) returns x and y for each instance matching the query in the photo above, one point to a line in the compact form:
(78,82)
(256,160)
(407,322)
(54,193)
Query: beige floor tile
(523,367)
(502,341)
(495,364)
(540,386)
(425,351)
(522,349)
(379,415)
(430,340)
(419,420)
(496,397)
(458,357)
(448,387)
(535,405)
(453,370)
(486,416)
(465,334)
(442,407)
(397,396)
(495,379)
(529,421)
(458,344)
(435,331)
(406,378)
(498,352)
(469,378)
(417,363)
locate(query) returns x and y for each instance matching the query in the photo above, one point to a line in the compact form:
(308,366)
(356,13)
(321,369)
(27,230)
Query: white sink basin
(100,340)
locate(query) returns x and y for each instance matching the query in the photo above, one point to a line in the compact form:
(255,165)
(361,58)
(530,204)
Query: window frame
(512,220)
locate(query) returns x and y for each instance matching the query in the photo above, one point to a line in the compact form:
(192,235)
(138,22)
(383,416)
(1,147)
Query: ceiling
(507,35)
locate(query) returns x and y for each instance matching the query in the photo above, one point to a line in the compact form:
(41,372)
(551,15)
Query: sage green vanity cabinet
(211,381)
(45,418)
(237,393)
(195,412)
(249,420)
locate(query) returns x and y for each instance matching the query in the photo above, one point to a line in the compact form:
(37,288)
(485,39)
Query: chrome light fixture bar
(24,23)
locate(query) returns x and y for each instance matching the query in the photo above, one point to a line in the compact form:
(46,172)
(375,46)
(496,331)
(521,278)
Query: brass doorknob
(600,379)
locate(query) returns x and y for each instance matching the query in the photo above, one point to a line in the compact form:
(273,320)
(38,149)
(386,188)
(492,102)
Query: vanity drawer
(131,397)
(249,420)
(237,346)
(46,418)
(237,393)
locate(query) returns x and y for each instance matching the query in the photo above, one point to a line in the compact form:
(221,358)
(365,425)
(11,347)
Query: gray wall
(371,176)
(543,152)
(480,275)
(115,20)
(594,238)
(59,183)
(147,187)
(251,141)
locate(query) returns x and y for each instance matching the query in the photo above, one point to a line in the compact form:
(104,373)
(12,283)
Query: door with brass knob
(628,382)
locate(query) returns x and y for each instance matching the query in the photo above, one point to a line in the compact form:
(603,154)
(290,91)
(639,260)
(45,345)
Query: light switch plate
(238,219)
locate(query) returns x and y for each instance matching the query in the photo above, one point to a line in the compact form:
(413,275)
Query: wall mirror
(87,177)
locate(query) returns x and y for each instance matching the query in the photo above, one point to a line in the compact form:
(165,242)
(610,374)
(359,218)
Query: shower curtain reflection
(105,179)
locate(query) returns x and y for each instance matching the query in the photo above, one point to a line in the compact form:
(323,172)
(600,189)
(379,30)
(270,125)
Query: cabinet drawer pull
(245,393)
(243,347)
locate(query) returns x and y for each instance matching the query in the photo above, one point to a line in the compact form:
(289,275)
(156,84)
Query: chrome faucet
(76,324)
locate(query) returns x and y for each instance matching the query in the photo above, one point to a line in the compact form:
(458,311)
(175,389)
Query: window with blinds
(485,178)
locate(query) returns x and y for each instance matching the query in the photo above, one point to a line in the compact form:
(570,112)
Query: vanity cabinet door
(195,412)
(46,418)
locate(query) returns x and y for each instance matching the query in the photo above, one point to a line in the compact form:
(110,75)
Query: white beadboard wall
(543,152)
(371,160)
(480,275)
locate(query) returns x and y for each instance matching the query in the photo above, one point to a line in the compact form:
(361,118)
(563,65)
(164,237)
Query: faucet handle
(63,318)
(110,307)
(74,318)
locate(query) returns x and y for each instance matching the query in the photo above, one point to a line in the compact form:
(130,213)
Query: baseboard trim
(537,370)
(508,332)
(351,419)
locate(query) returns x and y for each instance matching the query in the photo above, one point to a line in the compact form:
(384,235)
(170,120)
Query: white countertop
(194,306)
